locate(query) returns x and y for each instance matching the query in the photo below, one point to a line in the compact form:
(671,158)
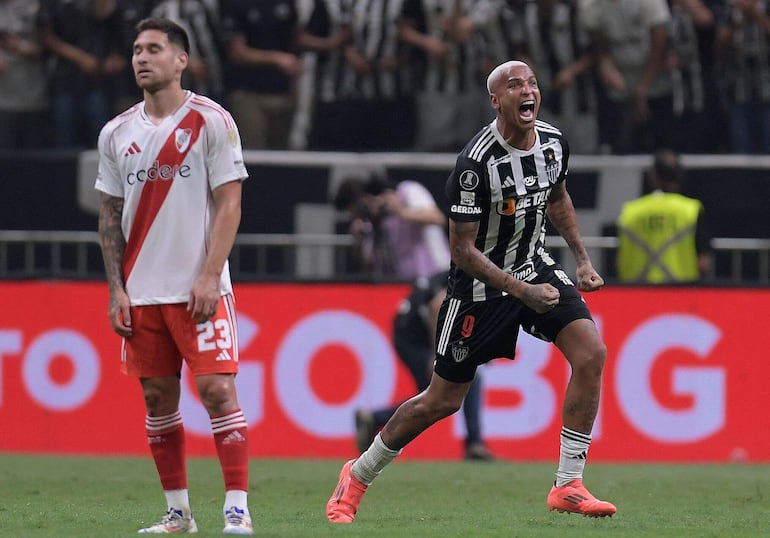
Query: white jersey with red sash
(166,174)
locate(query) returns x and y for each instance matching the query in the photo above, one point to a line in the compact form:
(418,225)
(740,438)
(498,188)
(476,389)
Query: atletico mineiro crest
(551,165)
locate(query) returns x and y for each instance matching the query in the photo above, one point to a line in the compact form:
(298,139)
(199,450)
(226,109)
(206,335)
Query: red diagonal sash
(155,192)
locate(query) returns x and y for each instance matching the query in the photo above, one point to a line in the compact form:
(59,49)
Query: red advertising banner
(685,377)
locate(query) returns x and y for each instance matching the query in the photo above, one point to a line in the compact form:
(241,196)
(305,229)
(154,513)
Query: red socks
(166,438)
(232,441)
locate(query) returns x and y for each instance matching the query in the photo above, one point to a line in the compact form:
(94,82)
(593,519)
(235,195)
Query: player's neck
(523,140)
(163,103)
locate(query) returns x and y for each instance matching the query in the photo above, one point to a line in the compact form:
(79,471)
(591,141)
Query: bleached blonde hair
(498,71)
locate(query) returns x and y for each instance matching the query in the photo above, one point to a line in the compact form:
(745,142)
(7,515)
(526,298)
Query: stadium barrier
(685,376)
(57,254)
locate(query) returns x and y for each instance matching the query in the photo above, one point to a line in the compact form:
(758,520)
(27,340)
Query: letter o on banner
(85,363)
(293,385)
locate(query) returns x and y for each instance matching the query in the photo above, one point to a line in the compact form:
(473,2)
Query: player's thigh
(581,344)
(150,351)
(210,347)
(571,305)
(443,393)
(472,333)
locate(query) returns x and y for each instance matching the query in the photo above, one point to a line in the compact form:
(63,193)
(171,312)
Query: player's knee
(452,407)
(159,402)
(592,359)
(218,396)
(444,407)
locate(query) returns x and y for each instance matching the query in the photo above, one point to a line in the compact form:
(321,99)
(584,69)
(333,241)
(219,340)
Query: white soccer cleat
(174,522)
(237,521)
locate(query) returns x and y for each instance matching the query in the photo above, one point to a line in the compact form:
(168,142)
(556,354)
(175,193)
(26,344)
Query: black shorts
(471,333)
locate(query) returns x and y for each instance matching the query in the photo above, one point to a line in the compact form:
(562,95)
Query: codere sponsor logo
(158,171)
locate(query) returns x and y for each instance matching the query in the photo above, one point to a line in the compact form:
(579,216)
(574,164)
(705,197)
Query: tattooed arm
(462,243)
(113,248)
(562,215)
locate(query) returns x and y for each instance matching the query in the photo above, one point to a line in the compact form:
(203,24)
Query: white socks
(179,499)
(373,461)
(572,455)
(237,498)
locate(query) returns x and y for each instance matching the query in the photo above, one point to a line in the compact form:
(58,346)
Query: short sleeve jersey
(166,174)
(505,190)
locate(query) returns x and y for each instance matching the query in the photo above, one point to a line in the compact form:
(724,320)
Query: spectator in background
(86,40)
(204,74)
(414,337)
(127,93)
(743,52)
(451,98)
(24,104)
(262,68)
(375,91)
(629,41)
(663,237)
(699,118)
(399,231)
(547,35)
(325,32)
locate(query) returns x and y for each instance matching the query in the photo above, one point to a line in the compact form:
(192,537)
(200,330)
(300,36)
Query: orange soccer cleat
(343,504)
(575,498)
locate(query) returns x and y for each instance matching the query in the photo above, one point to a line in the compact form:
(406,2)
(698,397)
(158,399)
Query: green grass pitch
(81,497)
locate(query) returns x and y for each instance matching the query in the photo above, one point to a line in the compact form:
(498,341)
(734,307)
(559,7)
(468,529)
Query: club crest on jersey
(182,139)
(551,165)
(459,352)
(469,180)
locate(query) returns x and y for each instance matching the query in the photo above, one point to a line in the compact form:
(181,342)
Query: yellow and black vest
(656,236)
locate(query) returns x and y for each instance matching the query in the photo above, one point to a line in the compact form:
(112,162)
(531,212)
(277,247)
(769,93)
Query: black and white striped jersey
(462,69)
(324,18)
(376,37)
(506,190)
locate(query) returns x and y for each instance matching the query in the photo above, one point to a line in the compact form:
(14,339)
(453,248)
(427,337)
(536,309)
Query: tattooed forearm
(561,213)
(471,260)
(112,240)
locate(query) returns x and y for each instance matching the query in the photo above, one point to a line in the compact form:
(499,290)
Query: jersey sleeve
(467,190)
(564,160)
(108,174)
(225,154)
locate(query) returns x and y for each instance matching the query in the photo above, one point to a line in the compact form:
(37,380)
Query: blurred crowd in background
(617,76)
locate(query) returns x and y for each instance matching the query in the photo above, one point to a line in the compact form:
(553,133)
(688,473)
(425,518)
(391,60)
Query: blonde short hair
(498,71)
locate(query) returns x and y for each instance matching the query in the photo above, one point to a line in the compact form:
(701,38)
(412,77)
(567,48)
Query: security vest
(656,234)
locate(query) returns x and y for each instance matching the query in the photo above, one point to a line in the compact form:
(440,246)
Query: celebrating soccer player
(506,181)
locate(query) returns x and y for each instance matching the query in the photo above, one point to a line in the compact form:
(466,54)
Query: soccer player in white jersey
(507,180)
(170,174)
